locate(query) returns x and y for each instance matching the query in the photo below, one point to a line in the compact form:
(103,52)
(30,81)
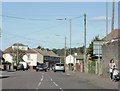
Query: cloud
(100,18)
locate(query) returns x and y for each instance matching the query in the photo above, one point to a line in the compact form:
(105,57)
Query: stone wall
(110,50)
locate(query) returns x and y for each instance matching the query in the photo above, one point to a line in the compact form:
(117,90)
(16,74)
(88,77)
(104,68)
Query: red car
(41,67)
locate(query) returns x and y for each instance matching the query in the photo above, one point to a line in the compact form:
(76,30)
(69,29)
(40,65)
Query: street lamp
(70,32)
(64,51)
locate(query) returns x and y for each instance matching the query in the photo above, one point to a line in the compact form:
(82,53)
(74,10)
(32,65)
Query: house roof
(9,49)
(30,51)
(18,44)
(114,34)
(46,53)
(79,57)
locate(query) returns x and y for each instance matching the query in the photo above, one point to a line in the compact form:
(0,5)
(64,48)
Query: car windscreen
(42,65)
(59,64)
(19,64)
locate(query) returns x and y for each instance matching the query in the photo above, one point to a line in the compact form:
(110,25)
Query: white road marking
(51,79)
(55,84)
(68,74)
(39,84)
(61,89)
(37,89)
(40,81)
(42,76)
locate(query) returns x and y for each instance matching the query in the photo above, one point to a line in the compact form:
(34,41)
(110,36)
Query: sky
(35,23)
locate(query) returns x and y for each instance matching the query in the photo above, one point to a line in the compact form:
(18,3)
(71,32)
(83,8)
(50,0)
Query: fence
(91,67)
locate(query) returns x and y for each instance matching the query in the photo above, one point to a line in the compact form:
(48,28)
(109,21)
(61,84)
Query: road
(46,80)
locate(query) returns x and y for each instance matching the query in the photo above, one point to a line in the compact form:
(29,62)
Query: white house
(1,56)
(70,59)
(74,59)
(30,57)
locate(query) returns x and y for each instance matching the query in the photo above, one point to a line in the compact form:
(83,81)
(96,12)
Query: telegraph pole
(70,43)
(17,55)
(106,18)
(0,38)
(1,43)
(113,6)
(84,42)
(70,36)
(65,52)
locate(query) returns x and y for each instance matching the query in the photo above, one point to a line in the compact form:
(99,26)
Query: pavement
(95,79)
(2,73)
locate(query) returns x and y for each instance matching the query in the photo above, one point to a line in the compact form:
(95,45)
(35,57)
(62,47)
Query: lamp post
(70,33)
(64,50)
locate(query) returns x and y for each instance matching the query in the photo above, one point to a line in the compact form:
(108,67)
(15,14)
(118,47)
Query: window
(28,55)
(59,64)
(46,57)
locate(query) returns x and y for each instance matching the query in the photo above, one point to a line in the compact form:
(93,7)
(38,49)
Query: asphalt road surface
(45,80)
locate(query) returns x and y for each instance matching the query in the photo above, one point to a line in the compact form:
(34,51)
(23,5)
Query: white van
(25,65)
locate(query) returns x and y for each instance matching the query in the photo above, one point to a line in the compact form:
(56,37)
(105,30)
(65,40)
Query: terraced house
(48,57)
(32,56)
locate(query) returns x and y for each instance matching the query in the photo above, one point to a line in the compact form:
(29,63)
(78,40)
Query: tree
(90,49)
(17,53)
(82,49)
(39,47)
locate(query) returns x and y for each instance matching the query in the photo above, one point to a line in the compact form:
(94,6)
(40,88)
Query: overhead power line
(22,18)
(76,17)
(29,39)
(35,41)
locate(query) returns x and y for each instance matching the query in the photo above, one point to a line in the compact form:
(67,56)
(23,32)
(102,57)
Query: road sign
(97,48)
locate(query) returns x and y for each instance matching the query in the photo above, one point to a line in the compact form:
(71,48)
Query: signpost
(97,50)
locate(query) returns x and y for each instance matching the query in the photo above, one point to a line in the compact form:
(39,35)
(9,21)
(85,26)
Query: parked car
(19,67)
(25,65)
(52,67)
(41,67)
(59,67)
(48,68)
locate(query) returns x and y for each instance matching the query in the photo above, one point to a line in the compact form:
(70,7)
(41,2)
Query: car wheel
(36,70)
(54,70)
(63,70)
